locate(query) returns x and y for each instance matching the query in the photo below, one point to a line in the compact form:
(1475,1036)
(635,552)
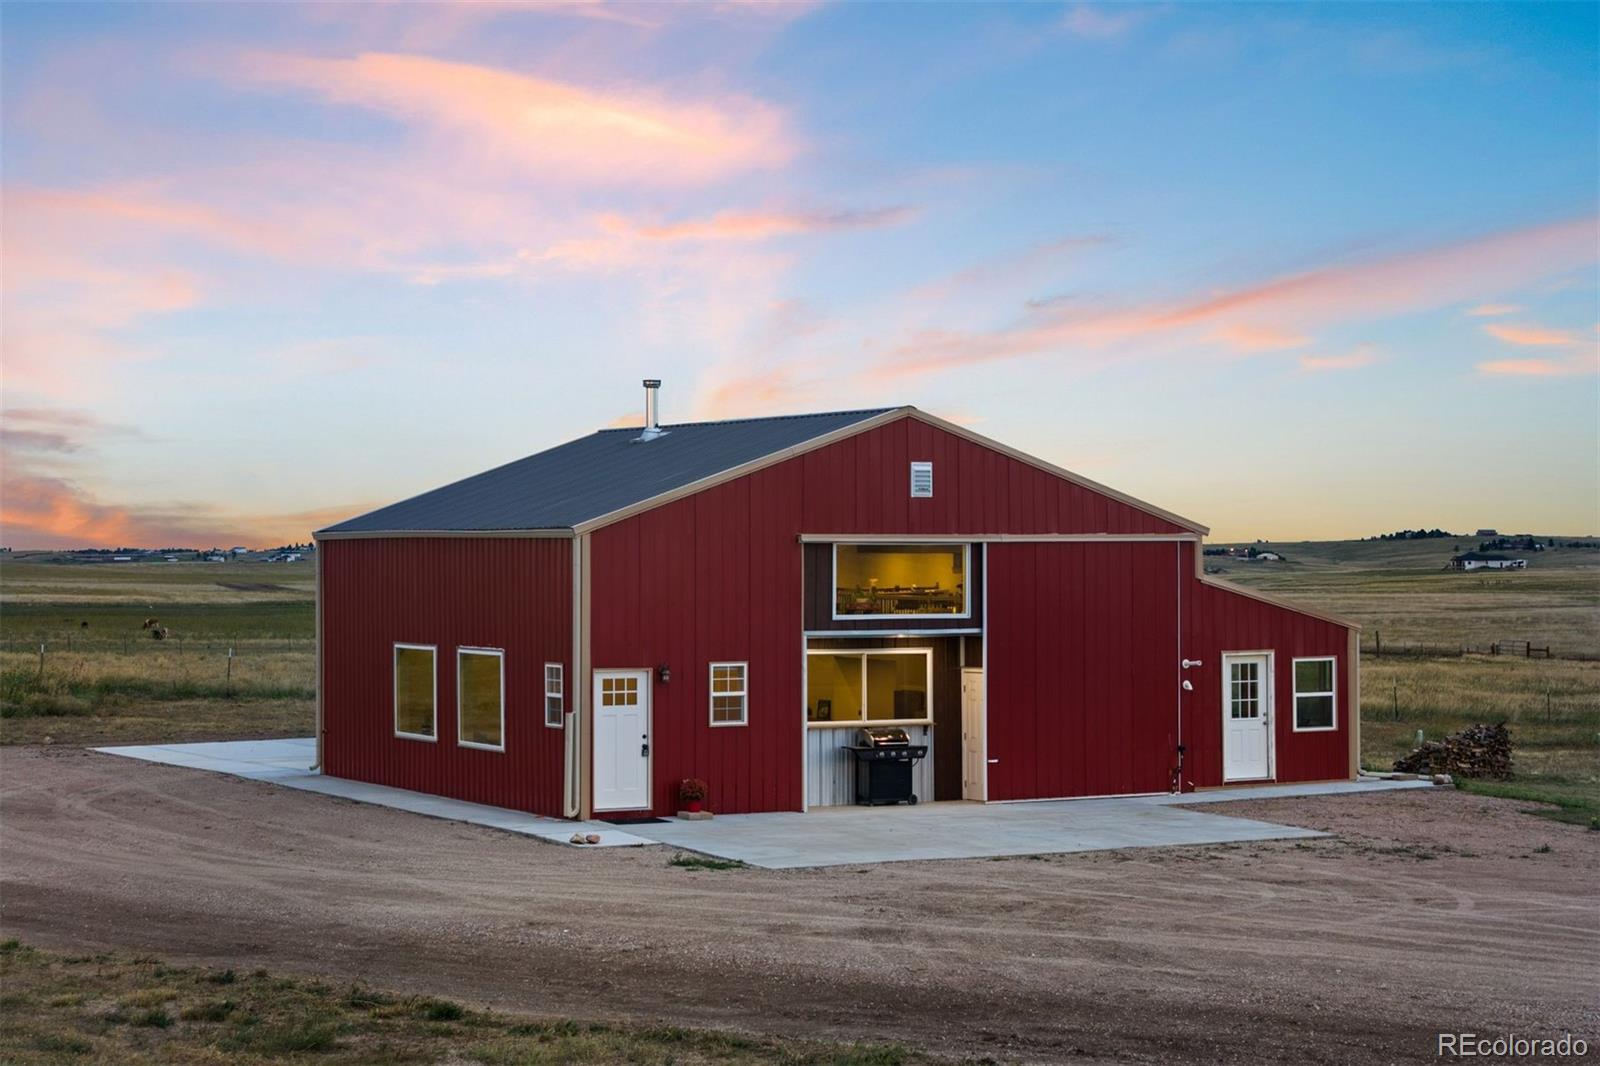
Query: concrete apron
(829,836)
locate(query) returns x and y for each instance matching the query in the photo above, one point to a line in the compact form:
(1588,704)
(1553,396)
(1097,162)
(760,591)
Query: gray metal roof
(596,475)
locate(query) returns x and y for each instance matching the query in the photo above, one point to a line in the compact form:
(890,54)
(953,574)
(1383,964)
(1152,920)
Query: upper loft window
(921,478)
(893,580)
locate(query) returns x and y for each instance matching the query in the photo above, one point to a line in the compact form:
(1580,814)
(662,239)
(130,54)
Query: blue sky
(1295,270)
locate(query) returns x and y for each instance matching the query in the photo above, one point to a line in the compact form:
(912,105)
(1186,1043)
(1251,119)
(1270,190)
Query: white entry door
(974,761)
(621,740)
(1246,717)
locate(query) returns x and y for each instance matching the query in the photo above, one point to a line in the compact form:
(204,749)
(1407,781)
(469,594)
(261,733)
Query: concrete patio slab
(286,762)
(829,836)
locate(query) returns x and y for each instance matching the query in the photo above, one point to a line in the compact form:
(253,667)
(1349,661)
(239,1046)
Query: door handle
(644,749)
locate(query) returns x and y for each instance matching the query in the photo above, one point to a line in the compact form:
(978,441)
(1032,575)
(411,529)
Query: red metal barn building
(577,632)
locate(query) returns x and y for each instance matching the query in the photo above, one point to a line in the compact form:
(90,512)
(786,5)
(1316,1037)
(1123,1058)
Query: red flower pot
(693,806)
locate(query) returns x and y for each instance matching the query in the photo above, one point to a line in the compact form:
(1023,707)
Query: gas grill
(884,757)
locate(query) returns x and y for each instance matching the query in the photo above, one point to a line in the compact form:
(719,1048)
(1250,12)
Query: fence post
(1377,648)
(41,658)
(230,669)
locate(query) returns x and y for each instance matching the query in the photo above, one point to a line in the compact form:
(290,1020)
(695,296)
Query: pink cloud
(1529,336)
(1355,292)
(759,225)
(1361,357)
(1250,339)
(1492,310)
(1529,368)
(553,129)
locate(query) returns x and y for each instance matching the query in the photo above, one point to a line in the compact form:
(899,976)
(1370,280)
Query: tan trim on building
(1279,601)
(976,538)
(1051,468)
(321,636)
(475,534)
(1353,714)
(585,657)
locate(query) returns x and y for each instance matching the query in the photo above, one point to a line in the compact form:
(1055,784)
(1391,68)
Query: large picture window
(893,580)
(875,685)
(415,691)
(1314,688)
(480,698)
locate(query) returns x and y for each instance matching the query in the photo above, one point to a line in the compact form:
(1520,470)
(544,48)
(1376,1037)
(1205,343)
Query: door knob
(644,749)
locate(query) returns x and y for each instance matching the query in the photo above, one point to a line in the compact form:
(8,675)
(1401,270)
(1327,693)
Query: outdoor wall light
(664,672)
(1188,686)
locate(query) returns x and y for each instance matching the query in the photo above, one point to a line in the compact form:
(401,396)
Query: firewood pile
(1476,751)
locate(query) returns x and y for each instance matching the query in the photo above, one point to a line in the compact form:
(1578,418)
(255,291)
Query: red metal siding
(511,593)
(718,575)
(1218,620)
(1082,668)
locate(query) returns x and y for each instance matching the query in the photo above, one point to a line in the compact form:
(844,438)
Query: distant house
(122,558)
(238,551)
(1486,533)
(1268,557)
(1486,561)
(215,558)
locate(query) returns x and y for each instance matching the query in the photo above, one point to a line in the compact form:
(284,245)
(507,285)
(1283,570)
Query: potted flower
(692,794)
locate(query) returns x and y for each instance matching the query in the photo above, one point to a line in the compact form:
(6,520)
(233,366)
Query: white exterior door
(974,761)
(1247,717)
(621,740)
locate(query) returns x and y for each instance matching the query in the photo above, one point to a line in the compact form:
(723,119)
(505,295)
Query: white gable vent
(921,479)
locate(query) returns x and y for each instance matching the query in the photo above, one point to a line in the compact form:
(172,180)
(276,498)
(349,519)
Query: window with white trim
(481,698)
(415,691)
(730,693)
(555,697)
(1314,695)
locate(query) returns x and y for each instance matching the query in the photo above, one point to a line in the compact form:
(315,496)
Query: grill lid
(884,737)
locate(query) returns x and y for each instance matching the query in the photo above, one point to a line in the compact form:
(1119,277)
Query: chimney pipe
(652,428)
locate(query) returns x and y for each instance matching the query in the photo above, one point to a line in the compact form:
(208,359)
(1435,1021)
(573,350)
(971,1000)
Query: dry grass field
(132,1010)
(104,680)
(1405,599)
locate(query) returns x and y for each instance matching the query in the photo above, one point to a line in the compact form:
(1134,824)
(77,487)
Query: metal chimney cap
(652,383)
(652,428)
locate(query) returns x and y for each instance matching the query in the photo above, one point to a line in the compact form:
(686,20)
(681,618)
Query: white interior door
(974,761)
(1246,717)
(621,740)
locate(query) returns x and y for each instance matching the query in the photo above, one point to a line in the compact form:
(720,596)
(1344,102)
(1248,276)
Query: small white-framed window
(730,693)
(416,691)
(555,697)
(481,698)
(1315,695)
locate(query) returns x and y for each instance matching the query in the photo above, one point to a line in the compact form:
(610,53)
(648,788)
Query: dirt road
(1431,910)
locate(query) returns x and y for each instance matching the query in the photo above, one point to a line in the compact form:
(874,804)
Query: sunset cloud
(1251,339)
(1101,22)
(1536,368)
(1492,310)
(1530,336)
(1355,292)
(548,128)
(1363,356)
(759,225)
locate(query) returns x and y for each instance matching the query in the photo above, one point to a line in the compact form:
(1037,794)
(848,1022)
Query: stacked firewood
(1476,751)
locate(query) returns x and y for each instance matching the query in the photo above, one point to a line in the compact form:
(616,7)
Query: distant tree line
(1412,534)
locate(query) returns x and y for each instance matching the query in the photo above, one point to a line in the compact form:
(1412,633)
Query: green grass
(701,862)
(1565,800)
(56,1011)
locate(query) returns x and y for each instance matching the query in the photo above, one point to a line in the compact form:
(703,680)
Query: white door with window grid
(1247,717)
(621,740)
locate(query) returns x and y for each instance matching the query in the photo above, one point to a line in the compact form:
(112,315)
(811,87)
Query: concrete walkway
(829,836)
(287,762)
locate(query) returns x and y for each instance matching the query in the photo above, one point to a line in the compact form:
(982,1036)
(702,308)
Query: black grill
(884,758)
